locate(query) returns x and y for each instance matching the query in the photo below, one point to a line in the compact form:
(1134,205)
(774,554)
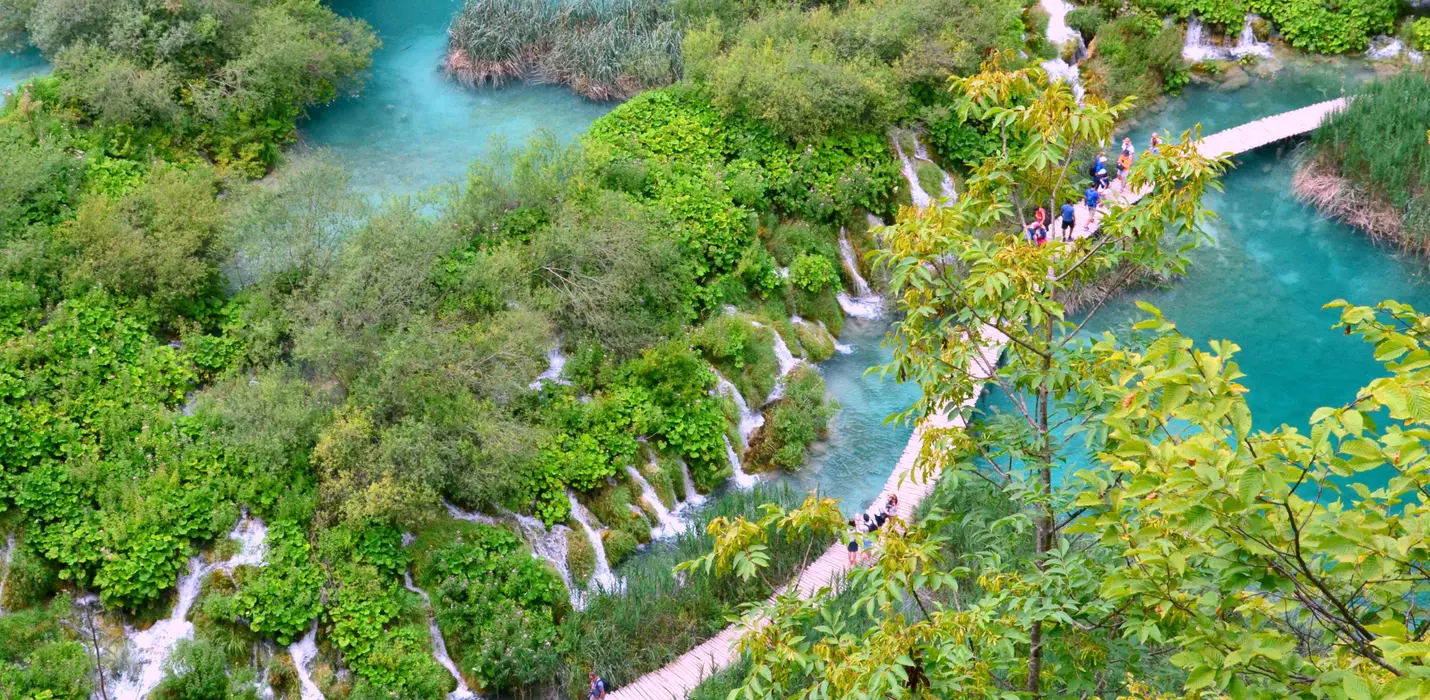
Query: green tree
(1032,624)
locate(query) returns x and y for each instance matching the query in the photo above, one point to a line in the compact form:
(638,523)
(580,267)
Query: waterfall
(670,525)
(692,496)
(603,579)
(1384,48)
(555,362)
(945,185)
(5,571)
(303,652)
(920,198)
(749,420)
(787,362)
(1059,34)
(865,303)
(1199,48)
(742,479)
(439,643)
(874,220)
(151,647)
(547,545)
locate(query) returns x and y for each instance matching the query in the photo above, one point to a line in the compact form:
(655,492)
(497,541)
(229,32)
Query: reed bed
(1370,163)
(602,49)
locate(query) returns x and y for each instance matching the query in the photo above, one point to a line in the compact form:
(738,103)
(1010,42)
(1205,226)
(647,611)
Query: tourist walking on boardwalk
(1127,149)
(891,509)
(598,686)
(1099,172)
(1091,198)
(1156,143)
(1041,215)
(1069,217)
(853,540)
(1124,168)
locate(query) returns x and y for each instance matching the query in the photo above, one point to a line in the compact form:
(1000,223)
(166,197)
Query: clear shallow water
(853,464)
(411,128)
(16,67)
(1273,264)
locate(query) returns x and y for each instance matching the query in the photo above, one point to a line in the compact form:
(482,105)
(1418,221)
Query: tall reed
(1379,146)
(602,49)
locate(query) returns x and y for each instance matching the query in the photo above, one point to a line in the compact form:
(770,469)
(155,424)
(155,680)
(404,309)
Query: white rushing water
(303,652)
(555,362)
(1059,34)
(439,643)
(945,185)
(920,198)
(864,303)
(602,579)
(5,569)
(692,496)
(787,362)
(670,525)
(742,480)
(1198,47)
(151,647)
(546,545)
(749,420)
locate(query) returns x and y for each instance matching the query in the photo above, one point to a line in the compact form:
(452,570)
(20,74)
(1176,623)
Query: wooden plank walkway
(677,679)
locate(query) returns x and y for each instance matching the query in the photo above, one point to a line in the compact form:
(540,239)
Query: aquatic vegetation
(602,49)
(1368,164)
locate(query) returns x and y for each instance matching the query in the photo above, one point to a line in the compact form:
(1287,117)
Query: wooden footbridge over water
(676,680)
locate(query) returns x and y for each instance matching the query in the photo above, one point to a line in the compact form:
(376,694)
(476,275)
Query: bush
(1086,21)
(815,273)
(1136,55)
(1320,27)
(1421,32)
(619,545)
(794,423)
(818,344)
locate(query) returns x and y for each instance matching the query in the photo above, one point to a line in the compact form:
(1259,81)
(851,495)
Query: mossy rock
(818,344)
(661,477)
(824,307)
(580,557)
(1261,27)
(619,545)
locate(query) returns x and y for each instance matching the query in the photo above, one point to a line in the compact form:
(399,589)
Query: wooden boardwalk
(677,679)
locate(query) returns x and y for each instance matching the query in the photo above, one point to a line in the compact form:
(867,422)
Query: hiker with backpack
(598,686)
(1091,198)
(1069,219)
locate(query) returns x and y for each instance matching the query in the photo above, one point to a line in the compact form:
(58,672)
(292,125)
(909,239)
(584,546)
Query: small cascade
(742,480)
(9,556)
(670,525)
(555,362)
(1199,47)
(1059,34)
(787,362)
(547,545)
(303,652)
(874,220)
(1384,48)
(151,647)
(692,496)
(749,420)
(603,579)
(865,303)
(439,643)
(945,186)
(920,198)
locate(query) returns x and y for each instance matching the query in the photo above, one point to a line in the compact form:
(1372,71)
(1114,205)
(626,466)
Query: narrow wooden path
(677,679)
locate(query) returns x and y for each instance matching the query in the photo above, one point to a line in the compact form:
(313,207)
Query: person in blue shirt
(1037,233)
(1069,212)
(598,686)
(1092,199)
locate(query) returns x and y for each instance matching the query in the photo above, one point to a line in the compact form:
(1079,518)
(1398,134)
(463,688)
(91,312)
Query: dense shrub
(1136,56)
(795,422)
(1086,21)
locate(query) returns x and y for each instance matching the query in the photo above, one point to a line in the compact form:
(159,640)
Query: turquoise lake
(411,127)
(1271,266)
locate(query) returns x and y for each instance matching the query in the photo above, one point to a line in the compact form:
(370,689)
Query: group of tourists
(1092,198)
(863,526)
